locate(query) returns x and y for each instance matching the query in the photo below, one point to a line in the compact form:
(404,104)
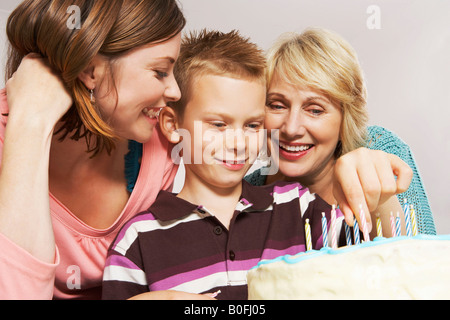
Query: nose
(172,92)
(294,125)
(235,142)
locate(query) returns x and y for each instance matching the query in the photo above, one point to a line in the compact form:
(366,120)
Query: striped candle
(356,231)
(398,230)
(379,227)
(324,230)
(348,235)
(365,229)
(414,221)
(333,228)
(407,218)
(392,224)
(308,236)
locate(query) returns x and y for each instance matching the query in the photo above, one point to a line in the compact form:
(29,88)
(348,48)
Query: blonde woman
(317,99)
(79,119)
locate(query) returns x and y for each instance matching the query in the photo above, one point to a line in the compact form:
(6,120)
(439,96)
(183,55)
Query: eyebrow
(170,59)
(307,100)
(228,116)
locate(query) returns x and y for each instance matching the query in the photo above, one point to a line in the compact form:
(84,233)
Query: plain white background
(406,61)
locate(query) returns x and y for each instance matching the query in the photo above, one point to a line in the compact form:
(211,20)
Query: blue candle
(356,232)
(398,230)
(324,230)
(348,235)
(407,218)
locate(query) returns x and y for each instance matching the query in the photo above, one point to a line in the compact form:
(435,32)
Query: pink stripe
(270,254)
(200,273)
(181,278)
(121,261)
(286,188)
(301,190)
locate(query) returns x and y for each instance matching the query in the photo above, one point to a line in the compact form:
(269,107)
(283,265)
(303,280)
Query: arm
(37,99)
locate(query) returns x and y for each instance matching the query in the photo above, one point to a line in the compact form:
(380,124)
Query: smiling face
(145,83)
(225,118)
(309,125)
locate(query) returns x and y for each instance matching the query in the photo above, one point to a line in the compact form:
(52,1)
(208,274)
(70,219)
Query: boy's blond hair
(323,60)
(216,53)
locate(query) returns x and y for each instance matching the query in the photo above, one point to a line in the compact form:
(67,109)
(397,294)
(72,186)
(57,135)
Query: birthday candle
(324,230)
(362,216)
(379,227)
(407,218)
(308,236)
(398,231)
(414,221)
(392,224)
(348,236)
(356,231)
(333,228)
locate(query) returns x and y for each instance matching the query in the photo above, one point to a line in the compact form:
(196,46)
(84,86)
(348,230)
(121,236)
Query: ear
(94,73)
(168,122)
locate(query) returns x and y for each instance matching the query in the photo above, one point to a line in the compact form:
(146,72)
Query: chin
(143,136)
(291,170)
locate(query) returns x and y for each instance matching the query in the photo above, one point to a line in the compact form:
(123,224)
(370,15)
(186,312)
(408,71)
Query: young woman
(72,108)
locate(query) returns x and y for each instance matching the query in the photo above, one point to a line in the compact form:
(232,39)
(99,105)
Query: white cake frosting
(395,268)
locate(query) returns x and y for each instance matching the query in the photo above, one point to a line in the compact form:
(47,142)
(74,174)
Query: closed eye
(161,74)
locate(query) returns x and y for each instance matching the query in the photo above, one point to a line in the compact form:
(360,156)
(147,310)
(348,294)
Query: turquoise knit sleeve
(382,139)
(132,164)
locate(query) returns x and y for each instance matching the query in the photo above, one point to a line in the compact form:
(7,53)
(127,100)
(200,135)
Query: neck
(221,201)
(69,157)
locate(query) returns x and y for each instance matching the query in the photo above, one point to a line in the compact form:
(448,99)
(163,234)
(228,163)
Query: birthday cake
(395,268)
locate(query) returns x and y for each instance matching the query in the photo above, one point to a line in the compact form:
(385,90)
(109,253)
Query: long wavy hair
(110,28)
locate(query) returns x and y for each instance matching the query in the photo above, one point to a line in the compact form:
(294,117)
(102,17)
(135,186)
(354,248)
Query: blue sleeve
(382,139)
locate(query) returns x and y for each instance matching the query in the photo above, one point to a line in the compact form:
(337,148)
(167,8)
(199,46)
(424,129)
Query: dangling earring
(92,96)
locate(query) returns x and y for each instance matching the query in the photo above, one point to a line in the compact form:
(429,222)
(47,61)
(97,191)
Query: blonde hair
(108,28)
(216,53)
(324,61)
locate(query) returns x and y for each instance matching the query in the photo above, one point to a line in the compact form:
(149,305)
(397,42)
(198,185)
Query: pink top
(81,250)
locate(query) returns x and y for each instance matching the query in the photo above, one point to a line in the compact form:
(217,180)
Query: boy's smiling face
(225,119)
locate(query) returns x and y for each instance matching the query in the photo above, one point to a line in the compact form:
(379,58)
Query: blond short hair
(216,53)
(324,61)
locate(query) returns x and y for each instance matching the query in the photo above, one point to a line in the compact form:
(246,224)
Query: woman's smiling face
(309,128)
(144,83)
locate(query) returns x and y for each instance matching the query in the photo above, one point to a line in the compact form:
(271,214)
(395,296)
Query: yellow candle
(308,236)
(379,228)
(413,221)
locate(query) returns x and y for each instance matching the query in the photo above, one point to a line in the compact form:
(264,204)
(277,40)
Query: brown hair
(108,28)
(215,53)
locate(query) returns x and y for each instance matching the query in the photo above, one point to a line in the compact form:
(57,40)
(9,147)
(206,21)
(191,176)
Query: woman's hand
(36,92)
(367,177)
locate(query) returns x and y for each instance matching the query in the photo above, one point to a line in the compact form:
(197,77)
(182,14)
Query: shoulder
(379,137)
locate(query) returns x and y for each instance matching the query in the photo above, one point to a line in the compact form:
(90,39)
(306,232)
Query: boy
(207,237)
